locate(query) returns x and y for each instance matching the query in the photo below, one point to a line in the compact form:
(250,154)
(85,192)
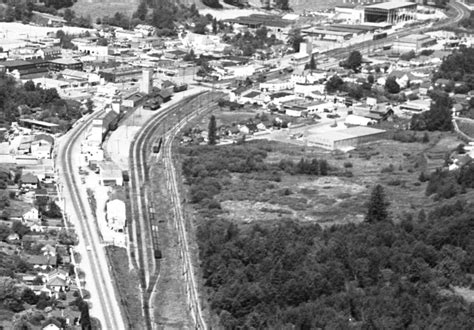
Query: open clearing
(340,197)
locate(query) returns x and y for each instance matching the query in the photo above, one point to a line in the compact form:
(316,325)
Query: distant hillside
(101,8)
(310,5)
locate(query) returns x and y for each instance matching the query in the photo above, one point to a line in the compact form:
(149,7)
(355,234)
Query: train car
(125,176)
(379,36)
(157,254)
(157,146)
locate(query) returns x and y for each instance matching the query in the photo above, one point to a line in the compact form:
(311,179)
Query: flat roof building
(391,12)
(413,42)
(347,138)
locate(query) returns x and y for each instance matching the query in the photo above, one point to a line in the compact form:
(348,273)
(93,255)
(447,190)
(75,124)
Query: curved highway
(78,209)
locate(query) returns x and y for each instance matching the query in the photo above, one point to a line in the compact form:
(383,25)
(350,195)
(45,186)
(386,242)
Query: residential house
(42,146)
(48,250)
(42,196)
(57,284)
(39,289)
(424,88)
(31,217)
(168,86)
(28,181)
(164,95)
(62,252)
(13,238)
(443,83)
(42,261)
(52,325)
(38,238)
(57,273)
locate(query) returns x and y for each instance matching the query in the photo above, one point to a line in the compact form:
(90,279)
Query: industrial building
(390,12)
(121,74)
(413,42)
(146,83)
(347,138)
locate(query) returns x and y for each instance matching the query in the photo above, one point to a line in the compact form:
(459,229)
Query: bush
(348,165)
(388,169)
(287,192)
(394,182)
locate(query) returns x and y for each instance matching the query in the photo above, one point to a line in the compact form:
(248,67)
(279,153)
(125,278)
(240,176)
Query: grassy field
(339,198)
(126,281)
(170,305)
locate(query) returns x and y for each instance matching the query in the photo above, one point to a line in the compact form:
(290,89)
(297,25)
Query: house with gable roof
(29,181)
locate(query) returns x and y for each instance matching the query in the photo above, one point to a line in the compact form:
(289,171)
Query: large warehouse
(413,42)
(390,12)
(347,138)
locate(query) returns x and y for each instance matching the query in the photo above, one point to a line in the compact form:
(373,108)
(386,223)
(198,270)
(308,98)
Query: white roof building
(116,214)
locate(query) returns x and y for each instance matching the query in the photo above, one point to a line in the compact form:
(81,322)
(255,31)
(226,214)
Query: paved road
(105,304)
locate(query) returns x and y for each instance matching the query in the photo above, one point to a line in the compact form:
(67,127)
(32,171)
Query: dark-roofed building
(26,68)
(390,12)
(120,74)
(61,64)
(38,124)
(164,95)
(50,53)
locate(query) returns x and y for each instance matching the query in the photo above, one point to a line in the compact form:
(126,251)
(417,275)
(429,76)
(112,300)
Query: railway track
(188,268)
(108,310)
(144,241)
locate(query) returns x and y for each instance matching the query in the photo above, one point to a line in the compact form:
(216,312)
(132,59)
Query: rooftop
(65,61)
(391,5)
(348,133)
(38,122)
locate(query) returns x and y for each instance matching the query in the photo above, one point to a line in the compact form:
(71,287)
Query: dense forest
(32,101)
(458,66)
(381,274)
